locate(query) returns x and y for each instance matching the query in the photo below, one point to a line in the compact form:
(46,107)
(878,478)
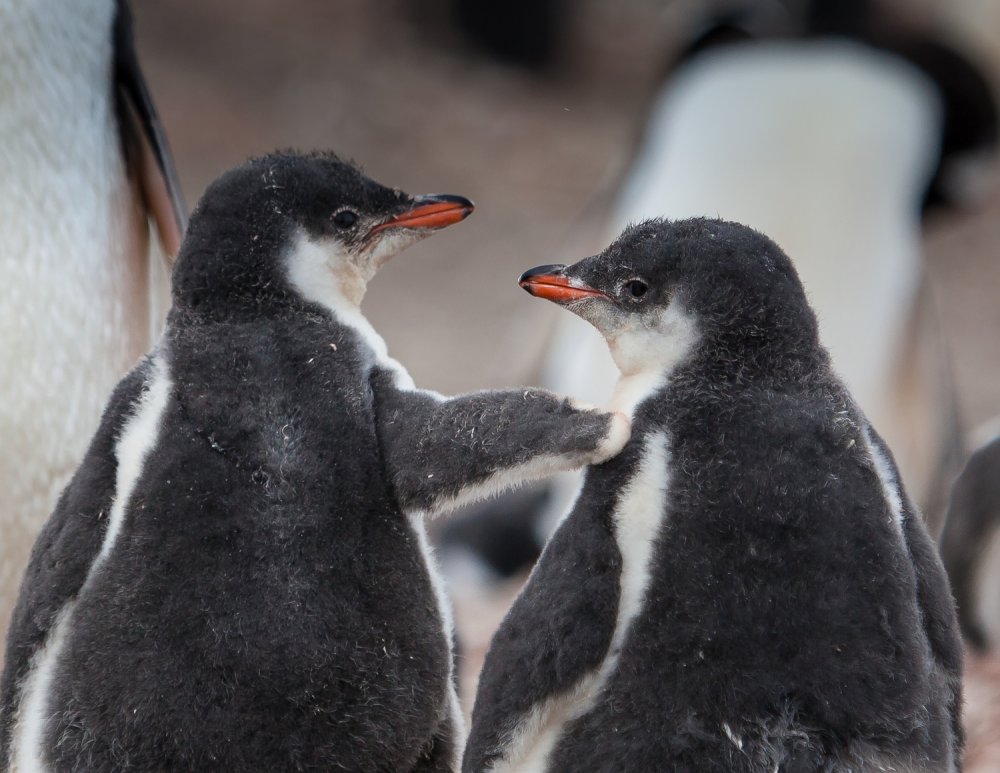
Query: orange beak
(435,211)
(548,282)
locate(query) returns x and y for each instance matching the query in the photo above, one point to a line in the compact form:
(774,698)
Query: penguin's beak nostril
(430,212)
(551,283)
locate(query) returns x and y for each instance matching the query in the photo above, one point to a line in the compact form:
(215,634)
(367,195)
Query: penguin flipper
(144,140)
(441,453)
(63,553)
(937,607)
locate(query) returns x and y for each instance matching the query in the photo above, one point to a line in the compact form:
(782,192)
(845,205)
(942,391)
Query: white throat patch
(647,356)
(325,275)
(311,273)
(659,345)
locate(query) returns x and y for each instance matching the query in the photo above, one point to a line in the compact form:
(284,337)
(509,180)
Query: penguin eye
(635,288)
(345,218)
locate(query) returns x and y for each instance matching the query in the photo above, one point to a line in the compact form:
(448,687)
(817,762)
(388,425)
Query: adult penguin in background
(746,587)
(237,577)
(83,168)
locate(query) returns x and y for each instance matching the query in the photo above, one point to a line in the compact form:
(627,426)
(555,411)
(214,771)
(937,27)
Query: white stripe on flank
(138,437)
(457,719)
(890,486)
(29,730)
(638,517)
(416,520)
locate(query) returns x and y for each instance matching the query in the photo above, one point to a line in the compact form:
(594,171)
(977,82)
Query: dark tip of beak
(430,212)
(551,283)
(550,270)
(445,198)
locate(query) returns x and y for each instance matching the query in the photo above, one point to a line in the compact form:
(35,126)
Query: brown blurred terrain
(387,83)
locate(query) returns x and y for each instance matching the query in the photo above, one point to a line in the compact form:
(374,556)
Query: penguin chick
(746,587)
(237,577)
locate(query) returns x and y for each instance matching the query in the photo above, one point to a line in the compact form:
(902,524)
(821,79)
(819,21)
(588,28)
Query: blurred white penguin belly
(827,147)
(75,313)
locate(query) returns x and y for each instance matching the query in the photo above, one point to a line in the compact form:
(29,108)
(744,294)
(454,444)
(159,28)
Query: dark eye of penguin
(635,289)
(345,218)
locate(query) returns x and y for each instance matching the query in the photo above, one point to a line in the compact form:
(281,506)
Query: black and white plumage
(970,545)
(746,587)
(237,578)
(83,167)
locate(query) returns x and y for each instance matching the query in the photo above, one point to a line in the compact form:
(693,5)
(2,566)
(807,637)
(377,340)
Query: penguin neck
(636,387)
(648,357)
(335,283)
(229,270)
(322,275)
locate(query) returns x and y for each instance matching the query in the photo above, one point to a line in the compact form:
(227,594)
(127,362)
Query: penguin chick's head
(665,288)
(289,226)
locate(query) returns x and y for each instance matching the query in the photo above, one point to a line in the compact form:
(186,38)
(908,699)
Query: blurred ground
(385,83)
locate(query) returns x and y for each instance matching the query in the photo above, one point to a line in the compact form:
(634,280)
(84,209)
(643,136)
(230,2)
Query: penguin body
(237,578)
(746,587)
(83,162)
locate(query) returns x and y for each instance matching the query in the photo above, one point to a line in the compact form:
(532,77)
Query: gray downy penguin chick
(237,578)
(746,587)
